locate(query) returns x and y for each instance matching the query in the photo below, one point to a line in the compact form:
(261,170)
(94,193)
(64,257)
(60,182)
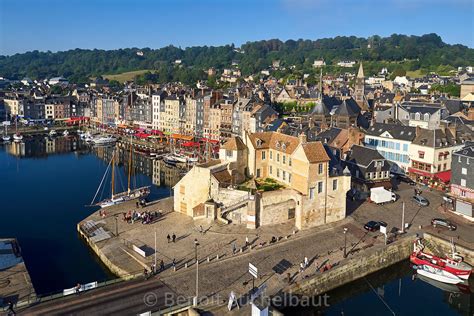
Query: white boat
(17,137)
(6,138)
(65,133)
(437,274)
(104,140)
(130,194)
(179,157)
(52,133)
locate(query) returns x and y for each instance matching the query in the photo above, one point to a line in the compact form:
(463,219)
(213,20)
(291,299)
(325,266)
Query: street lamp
(196,244)
(345,242)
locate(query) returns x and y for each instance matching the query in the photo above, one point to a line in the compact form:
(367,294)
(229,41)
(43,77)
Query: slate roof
(328,135)
(348,107)
(443,138)
(363,155)
(397,131)
(412,107)
(467,151)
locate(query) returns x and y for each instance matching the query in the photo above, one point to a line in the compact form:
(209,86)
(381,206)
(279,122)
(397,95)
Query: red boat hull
(439,263)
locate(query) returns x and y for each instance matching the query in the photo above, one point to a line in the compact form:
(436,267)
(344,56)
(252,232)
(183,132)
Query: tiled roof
(315,152)
(234,143)
(223,177)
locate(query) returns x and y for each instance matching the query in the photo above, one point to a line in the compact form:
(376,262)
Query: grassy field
(126,76)
(415,74)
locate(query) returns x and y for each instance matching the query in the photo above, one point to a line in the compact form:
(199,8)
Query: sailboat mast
(113,173)
(130,163)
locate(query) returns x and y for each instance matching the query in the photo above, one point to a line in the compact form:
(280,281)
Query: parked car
(406,180)
(420,200)
(374,226)
(444,223)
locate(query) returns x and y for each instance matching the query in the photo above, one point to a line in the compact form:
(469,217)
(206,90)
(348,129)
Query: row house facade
(462,181)
(431,155)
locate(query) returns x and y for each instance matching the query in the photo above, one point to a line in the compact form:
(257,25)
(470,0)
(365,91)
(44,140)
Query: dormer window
(283,146)
(277,144)
(259,142)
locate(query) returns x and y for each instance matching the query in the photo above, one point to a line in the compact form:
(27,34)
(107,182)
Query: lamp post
(345,242)
(196,243)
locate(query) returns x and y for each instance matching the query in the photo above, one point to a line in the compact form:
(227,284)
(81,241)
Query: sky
(58,25)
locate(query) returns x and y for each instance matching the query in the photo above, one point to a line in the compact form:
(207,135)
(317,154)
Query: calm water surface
(45,185)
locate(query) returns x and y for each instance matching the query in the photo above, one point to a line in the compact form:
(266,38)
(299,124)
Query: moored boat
(437,274)
(52,133)
(454,264)
(104,140)
(17,137)
(65,133)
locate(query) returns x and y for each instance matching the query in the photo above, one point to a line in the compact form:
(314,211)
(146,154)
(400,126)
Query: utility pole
(197,271)
(403,217)
(345,242)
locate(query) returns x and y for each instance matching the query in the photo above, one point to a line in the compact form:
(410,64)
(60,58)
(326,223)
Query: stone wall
(274,206)
(369,261)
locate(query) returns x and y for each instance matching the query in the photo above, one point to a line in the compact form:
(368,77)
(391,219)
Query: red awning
(190,144)
(156,132)
(420,172)
(444,176)
(212,141)
(142,135)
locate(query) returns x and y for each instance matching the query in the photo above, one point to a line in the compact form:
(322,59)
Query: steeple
(360,74)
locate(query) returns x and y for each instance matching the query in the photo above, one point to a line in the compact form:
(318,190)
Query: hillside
(402,52)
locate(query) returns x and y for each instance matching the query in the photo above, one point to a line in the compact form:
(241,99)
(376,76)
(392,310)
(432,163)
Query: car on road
(420,200)
(444,223)
(374,225)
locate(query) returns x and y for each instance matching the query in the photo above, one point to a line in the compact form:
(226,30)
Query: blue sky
(54,25)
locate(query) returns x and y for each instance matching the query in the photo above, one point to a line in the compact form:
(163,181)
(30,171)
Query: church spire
(360,74)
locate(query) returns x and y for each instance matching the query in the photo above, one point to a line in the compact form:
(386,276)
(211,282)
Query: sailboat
(17,137)
(120,197)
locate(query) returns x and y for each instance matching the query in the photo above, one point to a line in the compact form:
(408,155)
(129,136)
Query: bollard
(208,259)
(286,237)
(174,268)
(217,257)
(420,227)
(186,265)
(241,250)
(294,232)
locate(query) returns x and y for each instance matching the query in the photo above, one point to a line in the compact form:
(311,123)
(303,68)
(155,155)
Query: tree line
(396,52)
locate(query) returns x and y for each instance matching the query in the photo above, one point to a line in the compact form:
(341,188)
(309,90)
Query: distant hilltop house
(319,63)
(58,80)
(347,64)
(140,53)
(178,62)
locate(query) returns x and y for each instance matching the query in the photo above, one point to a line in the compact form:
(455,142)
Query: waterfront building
(431,154)
(424,115)
(462,180)
(158,107)
(368,168)
(393,142)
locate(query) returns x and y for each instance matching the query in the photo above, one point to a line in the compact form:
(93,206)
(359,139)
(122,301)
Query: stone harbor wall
(443,246)
(353,268)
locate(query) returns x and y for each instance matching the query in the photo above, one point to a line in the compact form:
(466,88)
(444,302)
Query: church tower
(359,91)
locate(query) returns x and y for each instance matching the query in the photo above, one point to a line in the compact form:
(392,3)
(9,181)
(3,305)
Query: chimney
(417,131)
(302,138)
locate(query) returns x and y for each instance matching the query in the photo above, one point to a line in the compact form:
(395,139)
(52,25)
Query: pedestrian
(306,262)
(153,268)
(246,241)
(201,230)
(168,237)
(233,248)
(301,267)
(288,275)
(162,265)
(174,263)
(174,237)
(145,273)
(78,288)
(10,309)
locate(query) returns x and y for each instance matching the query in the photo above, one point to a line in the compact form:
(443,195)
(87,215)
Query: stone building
(462,185)
(302,167)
